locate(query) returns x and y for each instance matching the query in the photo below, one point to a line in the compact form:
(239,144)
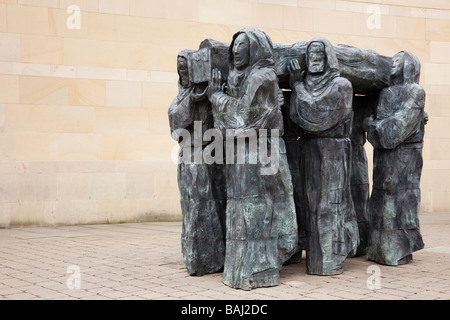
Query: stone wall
(84,133)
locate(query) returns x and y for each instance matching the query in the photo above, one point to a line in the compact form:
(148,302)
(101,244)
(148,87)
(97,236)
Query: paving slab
(135,261)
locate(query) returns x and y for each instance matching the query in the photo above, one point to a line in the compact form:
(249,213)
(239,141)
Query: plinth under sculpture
(272,156)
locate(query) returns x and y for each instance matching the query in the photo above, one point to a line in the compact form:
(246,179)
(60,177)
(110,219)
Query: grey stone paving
(144,261)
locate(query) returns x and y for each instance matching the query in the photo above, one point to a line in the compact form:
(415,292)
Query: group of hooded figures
(246,224)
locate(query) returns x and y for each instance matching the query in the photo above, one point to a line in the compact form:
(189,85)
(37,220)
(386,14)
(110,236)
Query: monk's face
(316,58)
(397,65)
(183,71)
(241,51)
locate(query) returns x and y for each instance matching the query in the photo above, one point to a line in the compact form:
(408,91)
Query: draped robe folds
(291,138)
(261,225)
(397,137)
(323,109)
(363,107)
(202,190)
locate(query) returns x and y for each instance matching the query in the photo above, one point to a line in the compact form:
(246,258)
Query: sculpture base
(333,272)
(406,260)
(268,278)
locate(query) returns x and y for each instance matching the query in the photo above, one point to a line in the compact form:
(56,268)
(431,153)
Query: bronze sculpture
(312,193)
(202,186)
(363,106)
(396,133)
(321,104)
(261,222)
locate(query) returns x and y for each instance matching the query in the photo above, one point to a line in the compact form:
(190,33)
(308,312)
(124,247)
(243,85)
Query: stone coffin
(367,71)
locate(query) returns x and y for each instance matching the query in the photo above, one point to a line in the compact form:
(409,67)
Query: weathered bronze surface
(202,186)
(261,218)
(396,132)
(321,105)
(311,106)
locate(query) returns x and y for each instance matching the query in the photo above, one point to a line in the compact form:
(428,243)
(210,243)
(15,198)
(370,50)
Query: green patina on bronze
(249,224)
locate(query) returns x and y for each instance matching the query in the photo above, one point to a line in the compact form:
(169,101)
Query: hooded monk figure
(260,218)
(321,105)
(396,134)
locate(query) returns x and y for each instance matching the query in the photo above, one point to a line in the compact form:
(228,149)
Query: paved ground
(143,261)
